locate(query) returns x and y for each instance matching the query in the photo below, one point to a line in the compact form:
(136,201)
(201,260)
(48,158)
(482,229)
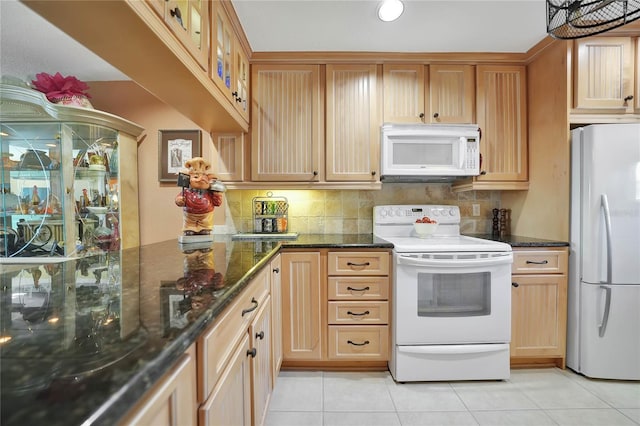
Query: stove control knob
(435,213)
(391,213)
(399,213)
(452,212)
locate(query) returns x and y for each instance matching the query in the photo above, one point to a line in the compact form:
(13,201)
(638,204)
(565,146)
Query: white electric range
(451,304)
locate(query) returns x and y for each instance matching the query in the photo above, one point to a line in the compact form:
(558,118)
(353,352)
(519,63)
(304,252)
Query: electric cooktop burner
(394,223)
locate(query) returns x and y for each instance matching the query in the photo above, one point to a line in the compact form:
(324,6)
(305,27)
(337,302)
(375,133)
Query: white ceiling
(29,44)
(424,26)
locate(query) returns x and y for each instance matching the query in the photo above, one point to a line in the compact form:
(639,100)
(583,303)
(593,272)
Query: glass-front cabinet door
(61,181)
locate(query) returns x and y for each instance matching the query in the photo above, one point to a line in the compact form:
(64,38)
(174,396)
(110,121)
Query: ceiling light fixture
(390,10)
(569,19)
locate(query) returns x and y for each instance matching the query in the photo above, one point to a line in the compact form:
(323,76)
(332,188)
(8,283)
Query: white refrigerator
(603,330)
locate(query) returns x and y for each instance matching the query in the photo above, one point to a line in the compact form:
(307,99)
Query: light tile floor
(530,397)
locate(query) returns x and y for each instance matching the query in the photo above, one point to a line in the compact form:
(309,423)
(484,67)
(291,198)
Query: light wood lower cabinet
(276,313)
(261,366)
(172,401)
(335,308)
(230,402)
(539,306)
(303,303)
(234,360)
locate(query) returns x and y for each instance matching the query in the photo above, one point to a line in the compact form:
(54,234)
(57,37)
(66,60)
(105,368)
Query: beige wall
(317,211)
(543,210)
(160,218)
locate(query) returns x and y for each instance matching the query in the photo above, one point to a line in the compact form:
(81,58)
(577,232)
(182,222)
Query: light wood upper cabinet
(241,72)
(429,94)
(451,94)
(287,118)
(189,22)
(636,103)
(222,50)
(303,304)
(352,123)
(229,61)
(501,108)
(230,156)
(404,93)
(604,74)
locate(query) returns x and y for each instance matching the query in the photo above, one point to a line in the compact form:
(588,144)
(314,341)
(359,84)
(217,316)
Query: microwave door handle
(463,152)
(506,258)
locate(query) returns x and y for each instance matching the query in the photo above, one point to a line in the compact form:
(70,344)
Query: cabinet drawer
(358,263)
(358,288)
(365,312)
(540,261)
(362,343)
(216,345)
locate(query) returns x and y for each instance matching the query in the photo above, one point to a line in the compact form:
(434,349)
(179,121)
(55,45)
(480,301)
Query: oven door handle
(498,259)
(454,349)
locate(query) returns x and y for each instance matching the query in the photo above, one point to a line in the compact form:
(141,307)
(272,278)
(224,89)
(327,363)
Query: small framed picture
(175,148)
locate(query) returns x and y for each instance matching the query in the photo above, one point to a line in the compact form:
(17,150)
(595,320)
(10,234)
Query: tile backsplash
(350,211)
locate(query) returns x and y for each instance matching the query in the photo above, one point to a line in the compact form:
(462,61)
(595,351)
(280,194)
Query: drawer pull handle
(534,262)
(358,289)
(251,309)
(358,315)
(366,342)
(260,335)
(252,352)
(358,264)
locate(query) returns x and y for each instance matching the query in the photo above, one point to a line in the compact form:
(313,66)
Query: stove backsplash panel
(350,211)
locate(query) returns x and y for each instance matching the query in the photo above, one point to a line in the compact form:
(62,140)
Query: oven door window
(454,295)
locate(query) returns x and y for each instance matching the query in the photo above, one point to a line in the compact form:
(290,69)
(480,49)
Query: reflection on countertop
(82,340)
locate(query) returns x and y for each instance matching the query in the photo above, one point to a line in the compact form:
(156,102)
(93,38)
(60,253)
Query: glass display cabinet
(65,192)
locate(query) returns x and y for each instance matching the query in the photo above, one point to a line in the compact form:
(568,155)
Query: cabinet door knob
(315,173)
(421,115)
(373,173)
(252,352)
(515,284)
(276,270)
(436,115)
(260,335)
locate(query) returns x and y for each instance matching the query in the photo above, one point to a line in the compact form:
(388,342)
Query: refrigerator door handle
(604,203)
(607,307)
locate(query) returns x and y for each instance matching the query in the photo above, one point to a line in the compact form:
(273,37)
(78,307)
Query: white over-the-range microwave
(429,152)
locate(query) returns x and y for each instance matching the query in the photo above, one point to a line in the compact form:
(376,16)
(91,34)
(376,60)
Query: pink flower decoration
(56,87)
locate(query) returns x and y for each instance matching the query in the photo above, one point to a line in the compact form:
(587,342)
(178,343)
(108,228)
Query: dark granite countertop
(518,241)
(88,337)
